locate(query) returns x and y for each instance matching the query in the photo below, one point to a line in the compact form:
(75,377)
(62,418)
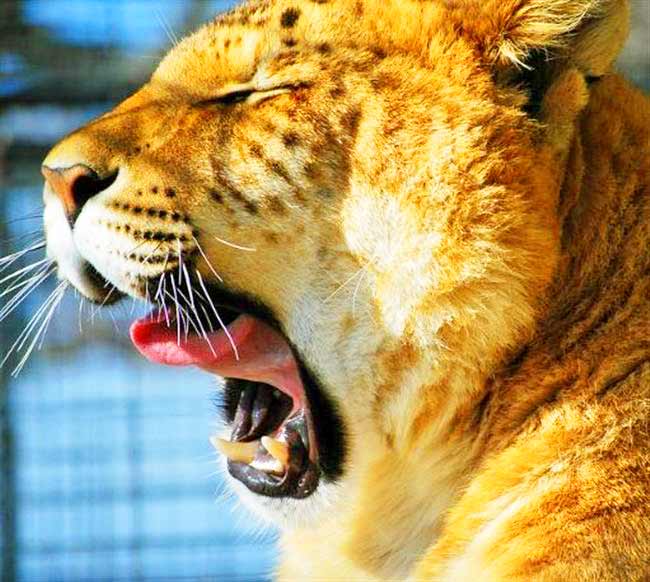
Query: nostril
(85,186)
(75,185)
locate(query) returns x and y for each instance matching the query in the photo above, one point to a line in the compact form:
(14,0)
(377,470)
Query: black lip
(328,424)
(297,485)
(256,409)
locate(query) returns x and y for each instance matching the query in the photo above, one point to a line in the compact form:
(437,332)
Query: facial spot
(289,17)
(290,139)
(249,206)
(216,196)
(256,150)
(271,237)
(277,206)
(324,48)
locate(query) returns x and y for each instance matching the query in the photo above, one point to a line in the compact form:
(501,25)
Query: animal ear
(585,34)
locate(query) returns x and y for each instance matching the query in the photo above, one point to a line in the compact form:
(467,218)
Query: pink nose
(75,185)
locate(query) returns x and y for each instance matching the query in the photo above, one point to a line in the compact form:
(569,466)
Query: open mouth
(270,449)
(275,448)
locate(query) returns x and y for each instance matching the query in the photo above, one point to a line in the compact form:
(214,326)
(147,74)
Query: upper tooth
(277,449)
(236,451)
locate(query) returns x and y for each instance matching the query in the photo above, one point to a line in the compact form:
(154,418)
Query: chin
(285,513)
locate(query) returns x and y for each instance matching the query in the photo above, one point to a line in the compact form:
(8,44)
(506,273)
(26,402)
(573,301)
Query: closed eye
(247,95)
(233,97)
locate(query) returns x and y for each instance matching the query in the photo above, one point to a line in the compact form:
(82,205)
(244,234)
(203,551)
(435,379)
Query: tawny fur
(466,273)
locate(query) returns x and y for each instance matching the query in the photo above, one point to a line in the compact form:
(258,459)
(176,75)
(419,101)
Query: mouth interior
(273,448)
(269,448)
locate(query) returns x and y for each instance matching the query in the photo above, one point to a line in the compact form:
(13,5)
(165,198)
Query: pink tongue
(261,354)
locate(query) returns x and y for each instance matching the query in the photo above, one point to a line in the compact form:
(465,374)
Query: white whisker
(343,285)
(164,302)
(152,253)
(115,326)
(205,258)
(167,28)
(24,282)
(189,287)
(133,306)
(162,276)
(207,318)
(136,247)
(204,334)
(27,290)
(161,291)
(197,315)
(188,321)
(42,330)
(187,312)
(216,313)
(6,262)
(179,314)
(180,261)
(103,303)
(233,245)
(356,291)
(147,297)
(81,309)
(23,337)
(24,270)
(36,317)
(48,318)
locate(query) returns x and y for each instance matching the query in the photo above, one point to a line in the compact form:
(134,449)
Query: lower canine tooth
(277,449)
(235,451)
(268,465)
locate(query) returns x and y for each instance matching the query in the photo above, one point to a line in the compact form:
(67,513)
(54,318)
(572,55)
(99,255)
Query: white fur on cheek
(117,256)
(101,247)
(312,330)
(398,252)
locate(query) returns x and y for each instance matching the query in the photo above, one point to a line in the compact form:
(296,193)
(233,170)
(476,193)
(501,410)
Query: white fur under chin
(287,513)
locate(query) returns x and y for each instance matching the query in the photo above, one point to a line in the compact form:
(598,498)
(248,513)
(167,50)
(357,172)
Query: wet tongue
(254,351)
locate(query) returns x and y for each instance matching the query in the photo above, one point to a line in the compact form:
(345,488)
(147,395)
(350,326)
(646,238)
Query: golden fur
(466,270)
